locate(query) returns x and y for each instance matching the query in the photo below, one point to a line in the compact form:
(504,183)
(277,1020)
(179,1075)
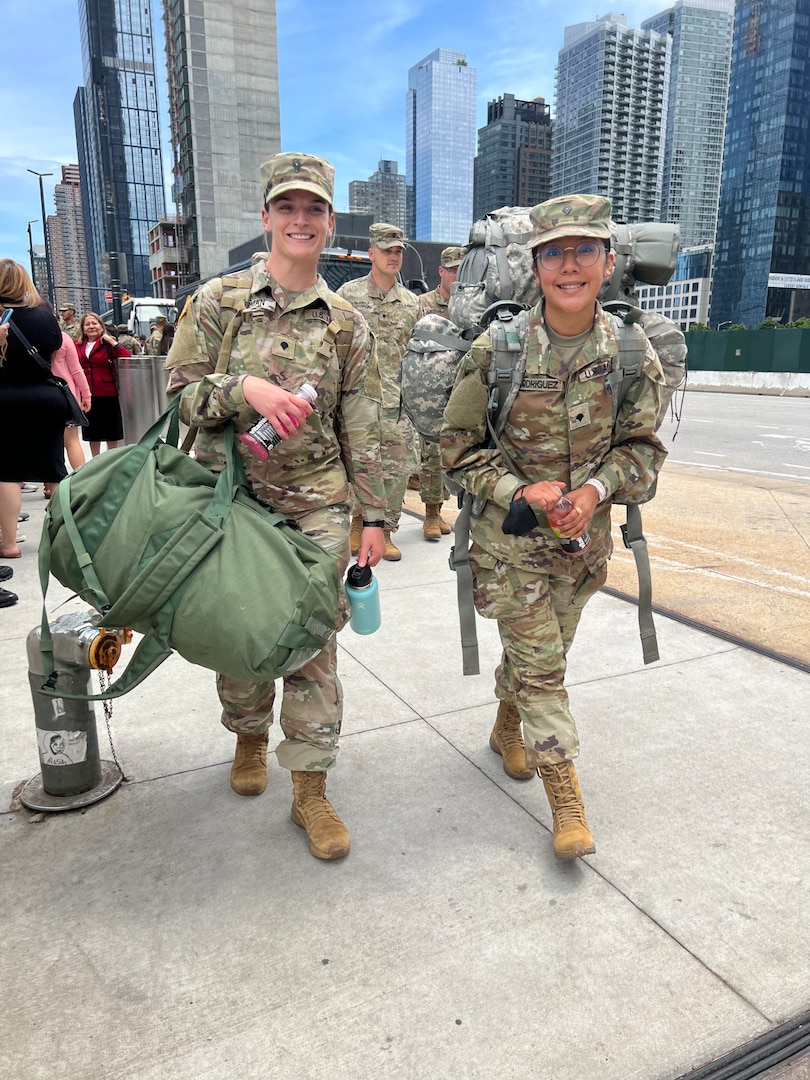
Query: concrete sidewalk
(175,931)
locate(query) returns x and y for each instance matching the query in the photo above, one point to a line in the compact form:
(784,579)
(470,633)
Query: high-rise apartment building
(68,247)
(440,147)
(696,116)
(120,162)
(762,255)
(382,195)
(222,60)
(513,166)
(611,115)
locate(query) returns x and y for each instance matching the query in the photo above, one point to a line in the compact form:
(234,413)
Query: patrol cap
(452,257)
(570,215)
(122,328)
(68,307)
(297,172)
(385,236)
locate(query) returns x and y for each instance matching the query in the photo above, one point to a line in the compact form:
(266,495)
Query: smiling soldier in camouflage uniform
(245,343)
(561,435)
(431,486)
(391,311)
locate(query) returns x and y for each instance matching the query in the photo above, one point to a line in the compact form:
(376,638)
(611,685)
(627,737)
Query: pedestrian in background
(33,412)
(68,322)
(297,331)
(559,436)
(129,341)
(391,312)
(65,363)
(99,353)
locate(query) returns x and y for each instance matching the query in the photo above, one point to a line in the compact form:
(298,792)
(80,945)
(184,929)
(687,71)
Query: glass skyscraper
(120,161)
(763,226)
(611,115)
(440,147)
(696,115)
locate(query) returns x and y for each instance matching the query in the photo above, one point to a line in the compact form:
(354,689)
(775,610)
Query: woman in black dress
(99,353)
(33,413)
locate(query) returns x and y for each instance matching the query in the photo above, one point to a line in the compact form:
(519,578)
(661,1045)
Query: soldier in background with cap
(561,435)
(297,331)
(68,323)
(128,340)
(391,311)
(431,487)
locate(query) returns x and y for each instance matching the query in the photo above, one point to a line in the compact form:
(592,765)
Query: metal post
(45,234)
(72,772)
(31,252)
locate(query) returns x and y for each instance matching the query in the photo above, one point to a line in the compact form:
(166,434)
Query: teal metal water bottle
(364,597)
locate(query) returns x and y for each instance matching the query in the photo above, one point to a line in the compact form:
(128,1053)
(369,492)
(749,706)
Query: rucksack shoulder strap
(509,335)
(629,361)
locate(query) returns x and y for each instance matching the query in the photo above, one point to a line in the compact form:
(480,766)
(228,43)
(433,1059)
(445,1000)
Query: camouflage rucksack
(428,372)
(497,267)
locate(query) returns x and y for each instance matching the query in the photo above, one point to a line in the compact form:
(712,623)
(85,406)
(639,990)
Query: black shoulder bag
(76,414)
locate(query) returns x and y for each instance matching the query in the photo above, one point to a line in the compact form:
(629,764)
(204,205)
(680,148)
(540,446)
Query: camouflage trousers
(538,613)
(431,485)
(399,459)
(312,700)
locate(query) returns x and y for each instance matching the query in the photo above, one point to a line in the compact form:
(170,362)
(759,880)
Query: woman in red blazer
(99,352)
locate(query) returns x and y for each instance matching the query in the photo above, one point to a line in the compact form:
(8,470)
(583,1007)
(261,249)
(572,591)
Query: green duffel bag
(156,542)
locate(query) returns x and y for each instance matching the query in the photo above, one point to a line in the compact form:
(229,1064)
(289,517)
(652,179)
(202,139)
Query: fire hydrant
(72,772)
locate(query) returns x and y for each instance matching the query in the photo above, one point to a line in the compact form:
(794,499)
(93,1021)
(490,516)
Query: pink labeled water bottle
(263,437)
(571,545)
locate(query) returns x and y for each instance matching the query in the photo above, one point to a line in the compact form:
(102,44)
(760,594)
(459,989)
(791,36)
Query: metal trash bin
(142,392)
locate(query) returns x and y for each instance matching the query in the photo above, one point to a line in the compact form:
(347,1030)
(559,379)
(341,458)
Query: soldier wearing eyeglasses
(561,436)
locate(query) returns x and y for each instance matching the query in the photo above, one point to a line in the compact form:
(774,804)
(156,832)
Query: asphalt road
(754,434)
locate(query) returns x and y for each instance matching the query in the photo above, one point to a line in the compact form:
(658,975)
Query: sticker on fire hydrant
(61,747)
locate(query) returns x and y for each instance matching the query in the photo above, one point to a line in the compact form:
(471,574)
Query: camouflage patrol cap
(68,307)
(122,328)
(385,236)
(452,257)
(570,215)
(297,172)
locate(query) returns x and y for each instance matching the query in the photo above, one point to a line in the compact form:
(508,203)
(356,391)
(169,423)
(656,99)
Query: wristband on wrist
(373,524)
(601,490)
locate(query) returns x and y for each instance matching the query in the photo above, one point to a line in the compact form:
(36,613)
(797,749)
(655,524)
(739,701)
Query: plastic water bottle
(364,596)
(263,437)
(571,545)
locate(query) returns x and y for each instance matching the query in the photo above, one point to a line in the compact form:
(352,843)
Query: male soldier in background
(68,323)
(436,301)
(391,312)
(431,487)
(130,343)
(152,347)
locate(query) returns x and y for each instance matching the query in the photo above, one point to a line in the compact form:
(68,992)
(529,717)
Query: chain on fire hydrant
(73,773)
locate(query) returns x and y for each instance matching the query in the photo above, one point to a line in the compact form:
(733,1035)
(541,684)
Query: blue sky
(343,73)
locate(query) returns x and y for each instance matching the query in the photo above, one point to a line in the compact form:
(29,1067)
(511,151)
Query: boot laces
(313,800)
(567,803)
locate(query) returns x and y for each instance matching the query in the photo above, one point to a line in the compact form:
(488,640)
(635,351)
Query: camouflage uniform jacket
(73,331)
(131,344)
(559,428)
(248,316)
(433,303)
(391,316)
(152,346)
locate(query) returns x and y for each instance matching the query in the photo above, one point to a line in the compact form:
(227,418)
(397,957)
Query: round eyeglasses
(585,254)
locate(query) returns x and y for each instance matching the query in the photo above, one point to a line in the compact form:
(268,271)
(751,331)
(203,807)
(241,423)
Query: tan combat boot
(431,528)
(311,810)
(507,740)
(392,552)
(572,837)
(249,769)
(413,483)
(356,533)
(445,526)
